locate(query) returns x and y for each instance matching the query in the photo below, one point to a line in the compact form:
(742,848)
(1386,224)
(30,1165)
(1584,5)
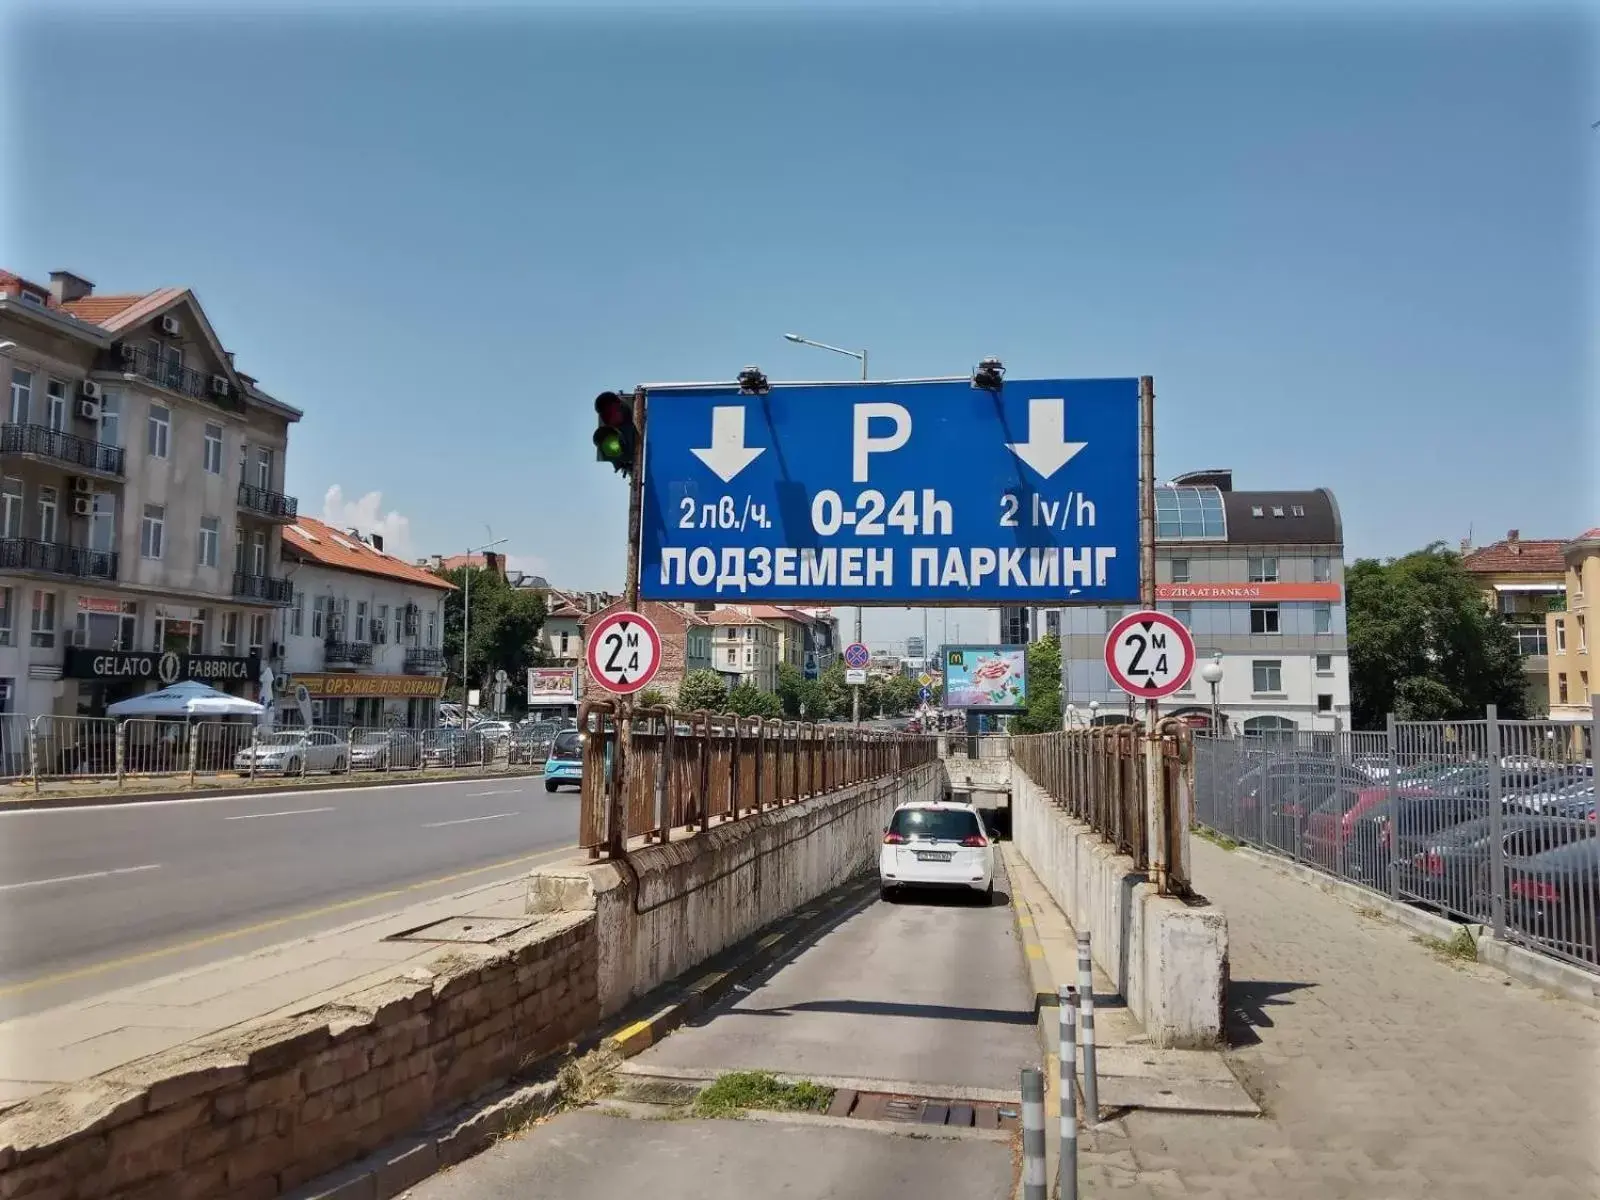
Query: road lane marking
(497,792)
(212,939)
(9,887)
(256,794)
(288,812)
(468,820)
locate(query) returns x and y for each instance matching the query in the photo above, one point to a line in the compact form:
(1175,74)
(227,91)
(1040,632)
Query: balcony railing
(263,587)
(56,558)
(267,503)
(424,662)
(61,447)
(160,370)
(348,654)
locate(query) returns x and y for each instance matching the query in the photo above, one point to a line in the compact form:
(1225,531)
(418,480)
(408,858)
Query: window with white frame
(258,632)
(361,621)
(11,507)
(111,419)
(1324,702)
(380,624)
(1561,635)
(55,404)
(319,615)
(213,448)
(228,633)
(158,431)
(1264,618)
(7,616)
(103,624)
(297,615)
(7,694)
(44,620)
(49,512)
(210,539)
(1324,664)
(1263,568)
(103,523)
(1180,570)
(396,628)
(1322,618)
(152,531)
(1266,676)
(433,630)
(258,553)
(264,468)
(1322,569)
(179,629)
(1184,615)
(21,395)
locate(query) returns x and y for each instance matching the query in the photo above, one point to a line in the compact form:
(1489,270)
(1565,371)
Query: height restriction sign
(624,653)
(1149,654)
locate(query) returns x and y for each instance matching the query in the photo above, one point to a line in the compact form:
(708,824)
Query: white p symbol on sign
(864,443)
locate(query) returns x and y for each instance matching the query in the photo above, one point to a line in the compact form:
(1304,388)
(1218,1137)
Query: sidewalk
(73,1042)
(1384,1071)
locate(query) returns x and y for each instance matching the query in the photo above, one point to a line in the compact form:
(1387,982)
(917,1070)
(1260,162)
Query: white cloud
(367,515)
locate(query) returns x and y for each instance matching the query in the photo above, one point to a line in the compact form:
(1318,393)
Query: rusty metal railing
(1098,776)
(700,769)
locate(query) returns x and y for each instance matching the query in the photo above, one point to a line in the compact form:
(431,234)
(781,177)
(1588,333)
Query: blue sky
(1352,253)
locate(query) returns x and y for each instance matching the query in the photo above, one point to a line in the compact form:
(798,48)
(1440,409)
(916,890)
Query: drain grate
(925,1110)
(464,929)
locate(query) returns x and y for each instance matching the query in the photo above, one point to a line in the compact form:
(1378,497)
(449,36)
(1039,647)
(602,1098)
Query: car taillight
(975,840)
(1535,889)
(1433,864)
(893,839)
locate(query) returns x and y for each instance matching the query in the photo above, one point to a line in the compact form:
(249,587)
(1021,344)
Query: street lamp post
(1212,674)
(855,692)
(466,618)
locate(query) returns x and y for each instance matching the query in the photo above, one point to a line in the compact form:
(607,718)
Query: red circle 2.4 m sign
(624,653)
(1149,654)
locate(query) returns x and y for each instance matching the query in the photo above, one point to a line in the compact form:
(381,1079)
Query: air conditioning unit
(220,385)
(90,390)
(82,506)
(82,484)
(170,325)
(88,410)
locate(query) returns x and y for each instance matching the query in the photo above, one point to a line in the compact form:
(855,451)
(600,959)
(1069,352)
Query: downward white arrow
(1047,449)
(728,455)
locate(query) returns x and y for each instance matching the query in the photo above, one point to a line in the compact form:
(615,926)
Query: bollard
(1091,1083)
(1033,1171)
(1067,1167)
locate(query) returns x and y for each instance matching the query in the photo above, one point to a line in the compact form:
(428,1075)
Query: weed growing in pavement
(736,1091)
(1461,947)
(1216,839)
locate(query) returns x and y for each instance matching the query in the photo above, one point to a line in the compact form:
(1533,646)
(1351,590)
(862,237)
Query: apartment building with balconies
(365,632)
(141,499)
(1571,685)
(1523,579)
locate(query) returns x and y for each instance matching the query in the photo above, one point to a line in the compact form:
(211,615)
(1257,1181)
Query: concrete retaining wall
(260,1109)
(1169,958)
(685,901)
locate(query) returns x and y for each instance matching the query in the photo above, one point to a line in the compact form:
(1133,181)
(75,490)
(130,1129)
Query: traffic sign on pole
(930,492)
(924,694)
(1149,654)
(857,656)
(855,677)
(624,653)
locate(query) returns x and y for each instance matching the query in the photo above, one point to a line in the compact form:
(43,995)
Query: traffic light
(616,441)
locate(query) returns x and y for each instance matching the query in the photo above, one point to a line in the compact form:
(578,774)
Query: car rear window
(943,824)
(565,745)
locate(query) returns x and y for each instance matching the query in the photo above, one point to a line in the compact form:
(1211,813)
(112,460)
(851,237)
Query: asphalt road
(95,898)
(930,993)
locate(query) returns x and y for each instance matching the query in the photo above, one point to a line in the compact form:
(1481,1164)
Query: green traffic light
(609,443)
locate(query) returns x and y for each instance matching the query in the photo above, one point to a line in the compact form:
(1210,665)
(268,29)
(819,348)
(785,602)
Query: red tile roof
(1589,535)
(102,310)
(320,543)
(730,616)
(1529,556)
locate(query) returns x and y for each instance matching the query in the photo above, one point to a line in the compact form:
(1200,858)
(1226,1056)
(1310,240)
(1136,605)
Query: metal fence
(1098,775)
(1489,822)
(43,749)
(694,769)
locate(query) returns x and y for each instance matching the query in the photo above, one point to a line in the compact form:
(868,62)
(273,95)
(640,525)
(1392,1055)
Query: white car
(936,844)
(294,752)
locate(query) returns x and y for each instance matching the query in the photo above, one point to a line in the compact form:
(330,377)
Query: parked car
(1451,866)
(294,751)
(1554,897)
(1276,798)
(457,748)
(936,844)
(531,743)
(564,762)
(384,750)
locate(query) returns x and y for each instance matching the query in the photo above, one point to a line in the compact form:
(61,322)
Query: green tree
(1043,711)
(834,688)
(702,689)
(1424,645)
(899,695)
(652,697)
(747,700)
(505,628)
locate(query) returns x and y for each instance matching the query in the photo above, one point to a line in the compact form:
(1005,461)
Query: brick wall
(673,627)
(260,1109)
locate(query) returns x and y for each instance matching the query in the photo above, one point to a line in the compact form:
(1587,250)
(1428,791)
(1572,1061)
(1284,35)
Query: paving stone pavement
(1386,1072)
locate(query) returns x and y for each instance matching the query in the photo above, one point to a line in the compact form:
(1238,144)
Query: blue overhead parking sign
(894,493)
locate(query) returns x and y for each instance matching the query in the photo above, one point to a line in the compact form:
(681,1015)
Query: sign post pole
(616,799)
(1155,809)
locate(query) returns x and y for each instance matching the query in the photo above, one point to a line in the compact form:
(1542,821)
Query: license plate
(933,856)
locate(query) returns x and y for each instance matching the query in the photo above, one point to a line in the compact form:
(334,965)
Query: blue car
(564,763)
